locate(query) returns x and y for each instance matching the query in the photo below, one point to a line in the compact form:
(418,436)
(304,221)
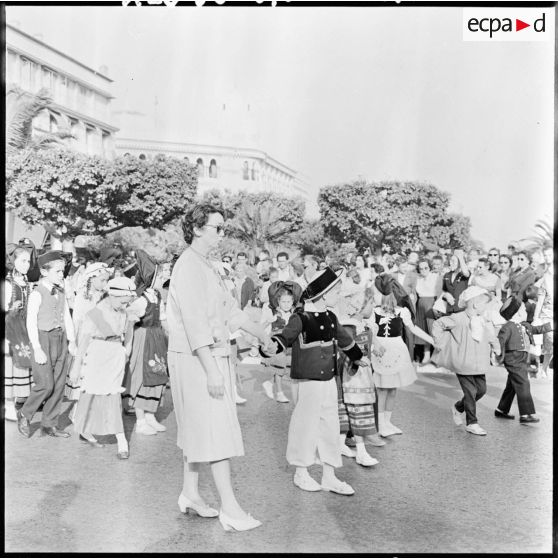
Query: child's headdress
(290,286)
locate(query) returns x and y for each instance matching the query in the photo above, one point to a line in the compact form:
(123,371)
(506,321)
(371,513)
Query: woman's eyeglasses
(219,228)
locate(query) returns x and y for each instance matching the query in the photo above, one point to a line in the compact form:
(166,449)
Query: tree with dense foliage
(401,215)
(71,193)
(259,219)
(312,239)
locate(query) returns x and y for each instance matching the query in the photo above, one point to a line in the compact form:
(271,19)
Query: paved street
(436,489)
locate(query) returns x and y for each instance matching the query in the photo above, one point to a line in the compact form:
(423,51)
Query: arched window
(213,169)
(142,157)
(200,166)
(245,171)
(126,154)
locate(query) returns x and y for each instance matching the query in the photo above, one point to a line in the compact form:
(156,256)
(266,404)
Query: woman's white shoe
(230,524)
(202,510)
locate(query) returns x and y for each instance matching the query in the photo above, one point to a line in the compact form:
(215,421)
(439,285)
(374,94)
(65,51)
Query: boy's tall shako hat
(147,269)
(122,286)
(322,282)
(510,307)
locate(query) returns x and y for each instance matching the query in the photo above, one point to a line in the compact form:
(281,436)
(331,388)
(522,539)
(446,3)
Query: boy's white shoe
(456,416)
(306,482)
(476,429)
(268,389)
(281,397)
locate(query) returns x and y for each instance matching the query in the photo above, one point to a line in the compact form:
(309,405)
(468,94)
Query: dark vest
(51,310)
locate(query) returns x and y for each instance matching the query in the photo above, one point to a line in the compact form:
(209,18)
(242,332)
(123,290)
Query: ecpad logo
(508,24)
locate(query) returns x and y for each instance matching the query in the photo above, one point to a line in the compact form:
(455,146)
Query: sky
(382,93)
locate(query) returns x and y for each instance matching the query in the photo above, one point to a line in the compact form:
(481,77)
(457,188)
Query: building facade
(81,95)
(224,168)
(81,104)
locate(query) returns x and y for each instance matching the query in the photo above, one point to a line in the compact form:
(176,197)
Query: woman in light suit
(201,315)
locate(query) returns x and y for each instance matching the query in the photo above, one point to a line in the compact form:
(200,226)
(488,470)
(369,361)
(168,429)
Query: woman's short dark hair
(378,268)
(197,216)
(508,257)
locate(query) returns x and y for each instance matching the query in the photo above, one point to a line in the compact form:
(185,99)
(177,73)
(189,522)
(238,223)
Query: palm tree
(543,237)
(259,224)
(21,108)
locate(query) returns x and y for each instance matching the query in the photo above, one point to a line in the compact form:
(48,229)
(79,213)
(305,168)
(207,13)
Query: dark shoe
(500,414)
(54,432)
(130,412)
(23,425)
(123,454)
(529,418)
(93,442)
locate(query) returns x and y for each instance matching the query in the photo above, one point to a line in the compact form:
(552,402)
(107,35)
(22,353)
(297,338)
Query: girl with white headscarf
(104,345)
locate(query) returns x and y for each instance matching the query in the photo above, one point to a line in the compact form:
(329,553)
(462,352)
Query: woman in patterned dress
(17,369)
(390,358)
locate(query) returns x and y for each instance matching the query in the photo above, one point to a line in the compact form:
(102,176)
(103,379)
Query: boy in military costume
(315,335)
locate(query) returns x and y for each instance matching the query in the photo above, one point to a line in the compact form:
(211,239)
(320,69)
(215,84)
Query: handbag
(358,386)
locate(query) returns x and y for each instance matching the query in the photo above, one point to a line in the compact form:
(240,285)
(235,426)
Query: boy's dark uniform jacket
(315,338)
(515,339)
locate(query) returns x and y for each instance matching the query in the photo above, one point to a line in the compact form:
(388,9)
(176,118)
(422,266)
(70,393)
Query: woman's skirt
(208,428)
(424,318)
(394,368)
(98,414)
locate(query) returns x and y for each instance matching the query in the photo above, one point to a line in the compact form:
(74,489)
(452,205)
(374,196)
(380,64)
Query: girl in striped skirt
(147,375)
(356,402)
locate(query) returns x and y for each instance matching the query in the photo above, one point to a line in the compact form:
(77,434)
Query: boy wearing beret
(315,336)
(51,334)
(516,338)
(465,339)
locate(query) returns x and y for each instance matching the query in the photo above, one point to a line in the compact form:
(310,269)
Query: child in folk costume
(356,398)
(104,345)
(314,334)
(516,340)
(147,374)
(91,287)
(51,334)
(283,297)
(17,361)
(390,357)
(464,340)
